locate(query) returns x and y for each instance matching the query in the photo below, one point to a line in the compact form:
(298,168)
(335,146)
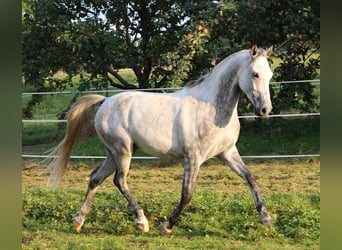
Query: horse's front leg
(191,168)
(233,159)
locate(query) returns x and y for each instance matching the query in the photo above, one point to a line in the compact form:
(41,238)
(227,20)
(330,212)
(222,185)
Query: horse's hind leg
(233,159)
(96,179)
(120,180)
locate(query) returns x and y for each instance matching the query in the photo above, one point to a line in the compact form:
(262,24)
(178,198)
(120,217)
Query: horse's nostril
(264,111)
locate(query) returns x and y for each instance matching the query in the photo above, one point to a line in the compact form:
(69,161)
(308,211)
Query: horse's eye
(255,75)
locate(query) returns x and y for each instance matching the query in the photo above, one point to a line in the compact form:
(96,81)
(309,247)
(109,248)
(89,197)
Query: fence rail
(28,94)
(156,158)
(240,117)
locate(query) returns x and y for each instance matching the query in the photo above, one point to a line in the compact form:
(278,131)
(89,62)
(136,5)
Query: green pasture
(221,214)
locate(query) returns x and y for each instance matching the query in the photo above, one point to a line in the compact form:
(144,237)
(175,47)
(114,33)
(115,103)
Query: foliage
(294,28)
(165,43)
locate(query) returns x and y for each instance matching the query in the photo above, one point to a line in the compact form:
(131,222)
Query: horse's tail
(79,121)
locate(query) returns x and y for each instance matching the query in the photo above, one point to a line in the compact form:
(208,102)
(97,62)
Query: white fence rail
(241,117)
(168,89)
(156,158)
(28,94)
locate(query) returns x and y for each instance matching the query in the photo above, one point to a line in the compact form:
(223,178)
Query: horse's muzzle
(261,102)
(263,111)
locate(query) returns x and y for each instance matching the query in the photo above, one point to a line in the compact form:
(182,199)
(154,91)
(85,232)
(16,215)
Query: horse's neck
(221,89)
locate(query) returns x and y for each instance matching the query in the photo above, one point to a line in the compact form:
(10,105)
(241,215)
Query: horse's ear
(269,51)
(254,51)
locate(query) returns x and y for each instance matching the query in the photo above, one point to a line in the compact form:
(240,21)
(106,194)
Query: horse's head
(254,80)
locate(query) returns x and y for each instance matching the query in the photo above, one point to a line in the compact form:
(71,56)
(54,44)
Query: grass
(221,214)
(280,136)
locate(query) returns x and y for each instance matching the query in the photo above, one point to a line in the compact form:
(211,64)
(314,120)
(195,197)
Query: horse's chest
(215,143)
(208,140)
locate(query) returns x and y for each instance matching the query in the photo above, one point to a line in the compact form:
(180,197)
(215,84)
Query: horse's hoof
(142,227)
(77,225)
(266,220)
(164,230)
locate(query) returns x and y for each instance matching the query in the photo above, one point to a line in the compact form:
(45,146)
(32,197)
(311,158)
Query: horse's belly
(152,125)
(159,146)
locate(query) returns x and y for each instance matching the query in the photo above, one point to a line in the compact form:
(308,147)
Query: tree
(165,43)
(296,31)
(292,27)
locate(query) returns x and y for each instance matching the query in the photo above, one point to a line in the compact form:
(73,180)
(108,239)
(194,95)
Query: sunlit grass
(221,211)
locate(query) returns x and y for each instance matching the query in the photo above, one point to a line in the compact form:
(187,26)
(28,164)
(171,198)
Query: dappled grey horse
(195,123)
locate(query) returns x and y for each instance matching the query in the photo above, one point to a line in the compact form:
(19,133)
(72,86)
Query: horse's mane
(201,79)
(194,83)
